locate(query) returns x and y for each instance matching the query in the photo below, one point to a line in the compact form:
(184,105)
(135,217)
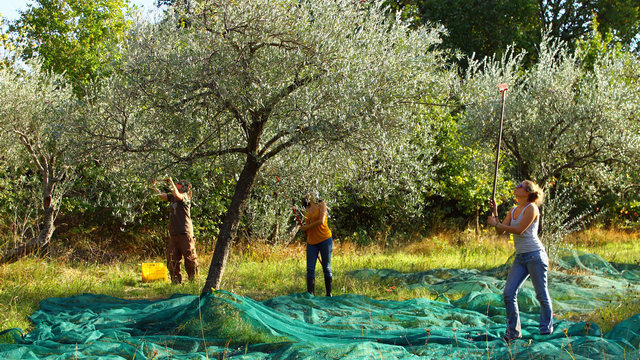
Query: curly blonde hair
(536,194)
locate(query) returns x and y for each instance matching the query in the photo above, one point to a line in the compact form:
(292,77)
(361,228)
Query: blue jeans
(324,248)
(536,265)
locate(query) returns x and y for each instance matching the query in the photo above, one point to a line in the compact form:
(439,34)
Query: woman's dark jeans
(324,248)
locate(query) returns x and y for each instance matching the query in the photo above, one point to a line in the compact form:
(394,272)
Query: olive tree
(370,187)
(566,120)
(560,116)
(246,81)
(36,117)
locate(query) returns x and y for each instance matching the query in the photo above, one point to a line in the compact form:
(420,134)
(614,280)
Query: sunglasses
(520,186)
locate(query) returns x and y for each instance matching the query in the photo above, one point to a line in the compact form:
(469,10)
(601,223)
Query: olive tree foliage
(561,216)
(249,81)
(564,121)
(559,116)
(36,117)
(369,187)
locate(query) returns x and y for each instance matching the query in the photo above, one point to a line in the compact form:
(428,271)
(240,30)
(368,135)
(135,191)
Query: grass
(613,245)
(262,271)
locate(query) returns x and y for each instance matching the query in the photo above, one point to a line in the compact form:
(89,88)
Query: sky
(10,8)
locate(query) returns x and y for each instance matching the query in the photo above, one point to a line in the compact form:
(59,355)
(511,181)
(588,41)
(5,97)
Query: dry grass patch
(598,236)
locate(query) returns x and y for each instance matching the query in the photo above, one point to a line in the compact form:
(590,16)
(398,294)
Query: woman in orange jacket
(319,241)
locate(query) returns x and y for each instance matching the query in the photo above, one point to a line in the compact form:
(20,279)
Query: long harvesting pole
(503,89)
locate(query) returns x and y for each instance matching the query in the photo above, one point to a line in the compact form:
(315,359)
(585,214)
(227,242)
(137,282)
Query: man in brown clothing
(181,240)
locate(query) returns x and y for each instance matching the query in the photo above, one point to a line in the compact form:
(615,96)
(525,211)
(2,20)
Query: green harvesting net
(298,326)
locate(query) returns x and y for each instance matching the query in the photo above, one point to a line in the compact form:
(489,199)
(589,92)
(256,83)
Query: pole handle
(503,89)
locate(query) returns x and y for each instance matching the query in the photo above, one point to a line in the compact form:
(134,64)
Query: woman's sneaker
(509,339)
(547,332)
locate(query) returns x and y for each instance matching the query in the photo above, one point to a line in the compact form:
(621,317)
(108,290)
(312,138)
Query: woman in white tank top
(531,260)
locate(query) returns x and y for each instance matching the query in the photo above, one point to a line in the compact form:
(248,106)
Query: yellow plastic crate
(154,271)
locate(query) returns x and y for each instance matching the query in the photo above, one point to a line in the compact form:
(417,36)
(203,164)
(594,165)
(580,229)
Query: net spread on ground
(300,326)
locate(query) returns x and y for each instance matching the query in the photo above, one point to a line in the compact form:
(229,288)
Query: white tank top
(528,241)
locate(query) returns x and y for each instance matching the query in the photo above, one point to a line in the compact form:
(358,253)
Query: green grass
(607,316)
(613,246)
(30,280)
(262,271)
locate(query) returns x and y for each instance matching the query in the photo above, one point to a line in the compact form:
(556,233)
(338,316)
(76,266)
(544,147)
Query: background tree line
(488,28)
(388,109)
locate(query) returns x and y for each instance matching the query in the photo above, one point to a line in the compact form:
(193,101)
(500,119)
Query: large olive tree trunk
(229,227)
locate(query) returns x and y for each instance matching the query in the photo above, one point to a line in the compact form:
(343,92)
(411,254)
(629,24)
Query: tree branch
(283,145)
(24,138)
